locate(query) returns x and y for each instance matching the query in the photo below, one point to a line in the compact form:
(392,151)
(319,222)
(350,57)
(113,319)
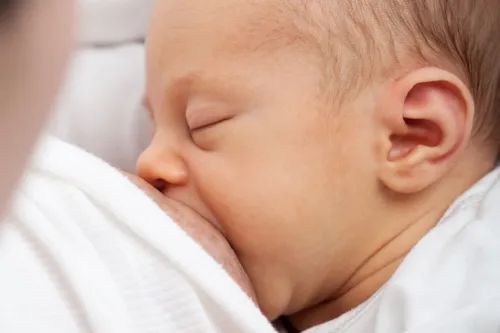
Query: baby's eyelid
(199,118)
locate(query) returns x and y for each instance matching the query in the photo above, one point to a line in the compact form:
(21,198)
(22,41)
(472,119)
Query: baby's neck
(373,273)
(409,224)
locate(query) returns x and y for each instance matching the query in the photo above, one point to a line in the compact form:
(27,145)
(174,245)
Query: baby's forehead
(228,25)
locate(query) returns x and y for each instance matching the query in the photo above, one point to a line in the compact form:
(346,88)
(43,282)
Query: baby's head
(324,138)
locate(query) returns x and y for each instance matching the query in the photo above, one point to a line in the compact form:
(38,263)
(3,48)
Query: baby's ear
(427,119)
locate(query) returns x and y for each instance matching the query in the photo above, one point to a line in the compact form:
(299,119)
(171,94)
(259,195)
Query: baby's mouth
(202,231)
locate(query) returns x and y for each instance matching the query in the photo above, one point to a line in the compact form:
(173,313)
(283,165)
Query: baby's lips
(201,231)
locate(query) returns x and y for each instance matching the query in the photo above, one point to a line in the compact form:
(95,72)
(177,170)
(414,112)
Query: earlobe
(431,116)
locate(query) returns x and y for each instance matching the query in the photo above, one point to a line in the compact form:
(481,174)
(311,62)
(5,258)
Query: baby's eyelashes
(204,117)
(204,125)
(205,120)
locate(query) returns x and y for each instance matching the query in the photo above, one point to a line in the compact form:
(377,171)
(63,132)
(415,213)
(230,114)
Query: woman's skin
(36,38)
(202,232)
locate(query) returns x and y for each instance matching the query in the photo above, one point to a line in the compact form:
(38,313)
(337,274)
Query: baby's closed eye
(198,119)
(203,122)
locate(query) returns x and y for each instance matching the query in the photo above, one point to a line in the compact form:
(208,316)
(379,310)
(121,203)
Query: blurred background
(100,107)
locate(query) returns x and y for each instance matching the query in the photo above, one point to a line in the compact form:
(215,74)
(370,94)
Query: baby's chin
(202,231)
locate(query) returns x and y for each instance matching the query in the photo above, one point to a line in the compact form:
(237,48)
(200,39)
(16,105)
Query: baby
(326,140)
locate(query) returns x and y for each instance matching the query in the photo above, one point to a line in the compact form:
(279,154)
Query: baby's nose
(162,168)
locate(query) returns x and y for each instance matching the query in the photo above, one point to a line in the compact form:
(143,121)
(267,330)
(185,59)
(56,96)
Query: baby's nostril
(159,184)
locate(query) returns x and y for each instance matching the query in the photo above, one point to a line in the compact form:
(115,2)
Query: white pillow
(100,107)
(113,21)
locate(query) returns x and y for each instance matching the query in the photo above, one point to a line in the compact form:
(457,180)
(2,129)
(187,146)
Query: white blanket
(84,250)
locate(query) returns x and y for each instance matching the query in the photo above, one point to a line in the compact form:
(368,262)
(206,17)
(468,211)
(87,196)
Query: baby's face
(243,138)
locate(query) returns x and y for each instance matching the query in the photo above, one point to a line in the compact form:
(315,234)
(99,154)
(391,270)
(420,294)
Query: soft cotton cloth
(449,283)
(84,250)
